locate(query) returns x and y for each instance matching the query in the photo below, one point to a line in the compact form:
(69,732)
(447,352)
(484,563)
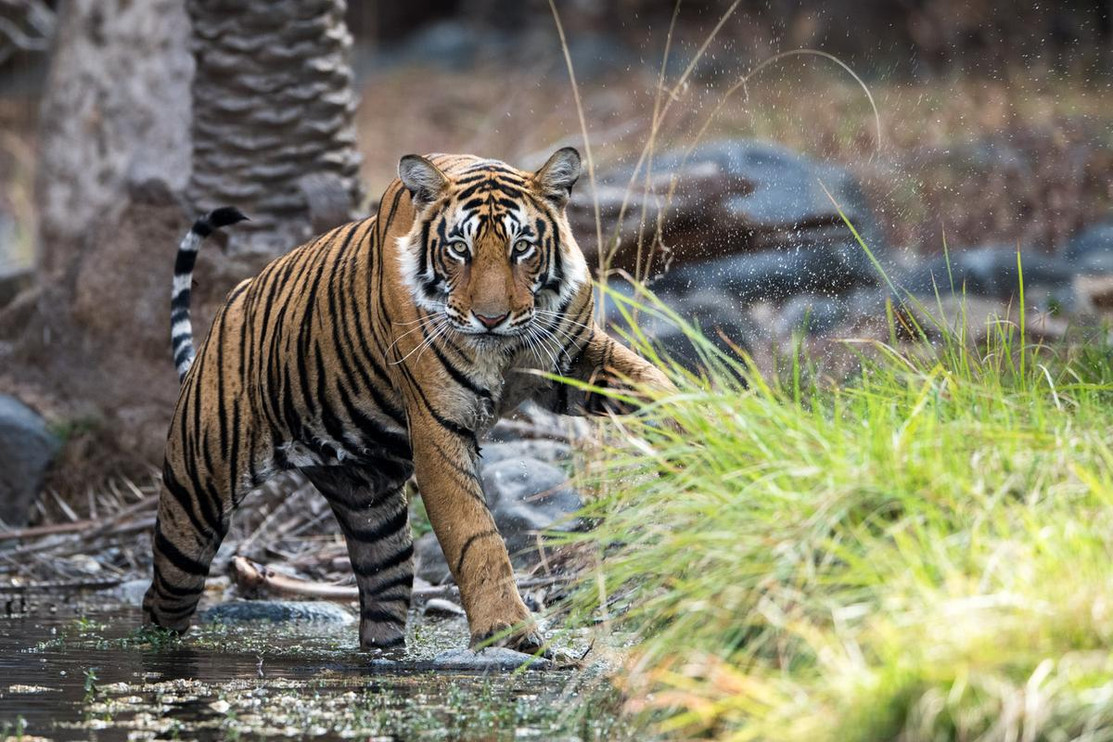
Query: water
(85,673)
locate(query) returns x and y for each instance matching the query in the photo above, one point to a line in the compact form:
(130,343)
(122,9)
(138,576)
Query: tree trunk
(272,125)
(125,167)
(116,110)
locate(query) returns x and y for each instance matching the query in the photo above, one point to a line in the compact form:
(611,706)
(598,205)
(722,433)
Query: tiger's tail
(181,329)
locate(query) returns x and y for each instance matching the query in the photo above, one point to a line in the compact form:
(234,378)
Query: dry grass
(991,161)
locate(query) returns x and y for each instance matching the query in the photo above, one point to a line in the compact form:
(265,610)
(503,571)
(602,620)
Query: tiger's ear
(557,176)
(422,179)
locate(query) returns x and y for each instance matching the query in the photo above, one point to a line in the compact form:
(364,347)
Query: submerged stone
(491,658)
(277,611)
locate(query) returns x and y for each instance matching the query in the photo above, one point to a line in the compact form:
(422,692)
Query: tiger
(379,351)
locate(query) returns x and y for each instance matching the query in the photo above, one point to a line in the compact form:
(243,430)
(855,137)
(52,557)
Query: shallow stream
(79,671)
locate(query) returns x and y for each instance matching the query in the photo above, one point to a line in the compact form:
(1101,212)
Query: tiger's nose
(491,322)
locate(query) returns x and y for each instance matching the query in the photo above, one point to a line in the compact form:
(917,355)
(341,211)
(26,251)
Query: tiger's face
(490,248)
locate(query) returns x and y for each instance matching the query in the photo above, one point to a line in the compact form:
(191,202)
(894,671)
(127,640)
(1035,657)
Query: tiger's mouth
(478,326)
(507,330)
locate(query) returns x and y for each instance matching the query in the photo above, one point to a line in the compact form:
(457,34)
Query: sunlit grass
(920,552)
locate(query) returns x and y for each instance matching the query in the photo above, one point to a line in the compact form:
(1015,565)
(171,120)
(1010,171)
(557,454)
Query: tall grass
(922,552)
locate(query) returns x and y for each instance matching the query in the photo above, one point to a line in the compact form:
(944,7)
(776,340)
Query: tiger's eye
(458,248)
(521,247)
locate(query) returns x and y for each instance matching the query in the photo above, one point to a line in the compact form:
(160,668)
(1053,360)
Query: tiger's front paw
(526,639)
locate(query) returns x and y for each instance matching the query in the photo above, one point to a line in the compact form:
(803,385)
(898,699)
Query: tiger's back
(379,350)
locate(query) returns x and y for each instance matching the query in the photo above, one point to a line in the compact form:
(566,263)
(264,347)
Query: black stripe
(234,453)
(377,615)
(182,355)
(174,591)
(405,580)
(333,425)
(380,530)
(468,544)
(181,612)
(179,302)
(185,499)
(444,422)
(374,434)
(181,562)
(221,411)
(458,376)
(399,557)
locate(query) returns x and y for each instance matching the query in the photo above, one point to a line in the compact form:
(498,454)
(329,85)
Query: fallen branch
(86,527)
(249,575)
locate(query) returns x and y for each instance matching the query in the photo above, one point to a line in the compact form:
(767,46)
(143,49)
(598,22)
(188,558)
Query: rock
(1094,294)
(278,611)
(491,658)
(526,497)
(543,450)
(531,422)
(429,561)
(989,271)
(130,592)
(596,55)
(815,268)
(447,44)
(1091,250)
(441,607)
(26,449)
(741,196)
(814,315)
(720,316)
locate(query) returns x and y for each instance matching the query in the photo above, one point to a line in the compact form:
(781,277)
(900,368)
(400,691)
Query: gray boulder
(1091,250)
(811,314)
(721,317)
(990,271)
(429,561)
(735,197)
(809,266)
(541,449)
(26,449)
(491,658)
(525,497)
(278,611)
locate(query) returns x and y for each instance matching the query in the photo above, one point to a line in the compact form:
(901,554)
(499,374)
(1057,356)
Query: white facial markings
(408,248)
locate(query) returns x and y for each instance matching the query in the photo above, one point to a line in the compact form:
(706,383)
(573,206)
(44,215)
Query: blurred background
(978,128)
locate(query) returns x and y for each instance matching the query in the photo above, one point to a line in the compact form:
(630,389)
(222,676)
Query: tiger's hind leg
(372,512)
(190,526)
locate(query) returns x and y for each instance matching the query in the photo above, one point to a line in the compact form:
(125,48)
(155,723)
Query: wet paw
(527,640)
(387,645)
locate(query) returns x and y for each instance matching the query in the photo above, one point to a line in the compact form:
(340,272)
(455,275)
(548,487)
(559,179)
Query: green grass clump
(921,552)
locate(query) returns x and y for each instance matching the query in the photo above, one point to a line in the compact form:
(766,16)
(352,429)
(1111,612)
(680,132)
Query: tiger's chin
(493,340)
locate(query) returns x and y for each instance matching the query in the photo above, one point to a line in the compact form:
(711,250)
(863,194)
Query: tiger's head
(490,247)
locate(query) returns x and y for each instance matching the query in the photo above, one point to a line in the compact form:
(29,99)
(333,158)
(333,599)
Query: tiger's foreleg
(192,521)
(374,518)
(607,364)
(446,464)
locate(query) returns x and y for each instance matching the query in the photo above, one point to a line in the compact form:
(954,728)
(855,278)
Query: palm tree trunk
(272,118)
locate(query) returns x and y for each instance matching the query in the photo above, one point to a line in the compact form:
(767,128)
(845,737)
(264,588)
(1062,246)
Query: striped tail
(181,329)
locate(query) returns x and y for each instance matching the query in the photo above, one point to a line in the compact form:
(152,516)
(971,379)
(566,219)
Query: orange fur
(382,349)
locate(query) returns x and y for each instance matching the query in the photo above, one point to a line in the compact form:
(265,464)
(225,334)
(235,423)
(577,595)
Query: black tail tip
(216,219)
(224,216)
